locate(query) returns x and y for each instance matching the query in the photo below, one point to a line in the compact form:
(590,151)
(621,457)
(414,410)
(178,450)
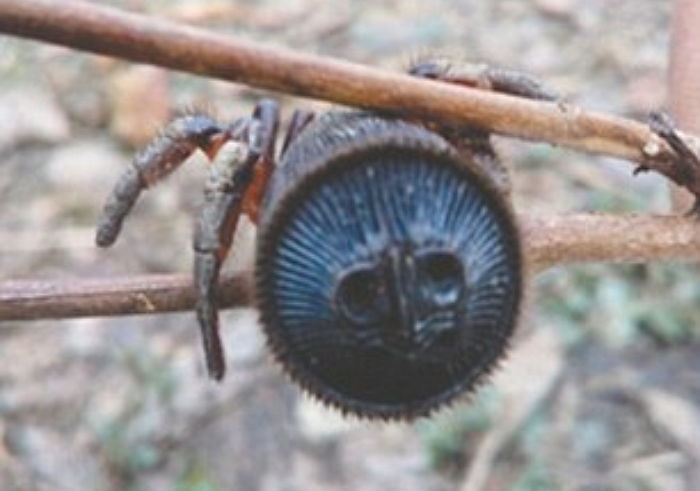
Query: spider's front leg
(162,156)
(242,155)
(237,179)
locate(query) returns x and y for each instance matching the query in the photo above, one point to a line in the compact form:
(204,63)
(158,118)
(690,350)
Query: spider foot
(518,83)
(206,267)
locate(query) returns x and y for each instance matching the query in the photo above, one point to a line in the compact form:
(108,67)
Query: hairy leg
(242,155)
(161,157)
(485,77)
(267,114)
(229,175)
(242,165)
(475,144)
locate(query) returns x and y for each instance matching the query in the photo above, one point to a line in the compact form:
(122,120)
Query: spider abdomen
(389,266)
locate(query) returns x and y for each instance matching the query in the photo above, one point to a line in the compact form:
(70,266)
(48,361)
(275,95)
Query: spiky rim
(270,232)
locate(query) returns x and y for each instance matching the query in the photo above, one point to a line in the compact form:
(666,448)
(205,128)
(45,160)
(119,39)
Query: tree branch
(581,238)
(549,240)
(104,30)
(51,299)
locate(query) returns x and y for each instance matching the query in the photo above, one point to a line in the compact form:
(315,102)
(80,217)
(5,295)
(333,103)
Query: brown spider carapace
(388,270)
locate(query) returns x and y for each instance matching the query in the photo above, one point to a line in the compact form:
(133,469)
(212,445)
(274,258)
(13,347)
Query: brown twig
(567,239)
(50,299)
(134,37)
(549,240)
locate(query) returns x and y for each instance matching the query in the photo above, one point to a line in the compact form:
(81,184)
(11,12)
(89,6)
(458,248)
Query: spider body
(388,270)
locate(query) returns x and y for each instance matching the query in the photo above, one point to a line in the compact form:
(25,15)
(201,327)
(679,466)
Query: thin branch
(581,238)
(104,30)
(549,240)
(52,299)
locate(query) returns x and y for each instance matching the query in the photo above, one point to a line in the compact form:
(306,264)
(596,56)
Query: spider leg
(473,143)
(267,113)
(158,159)
(485,77)
(300,119)
(237,170)
(229,174)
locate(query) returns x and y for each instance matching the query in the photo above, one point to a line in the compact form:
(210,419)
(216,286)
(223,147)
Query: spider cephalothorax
(388,270)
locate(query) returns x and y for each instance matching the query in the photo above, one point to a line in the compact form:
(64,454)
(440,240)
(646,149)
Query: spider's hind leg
(485,77)
(471,142)
(163,155)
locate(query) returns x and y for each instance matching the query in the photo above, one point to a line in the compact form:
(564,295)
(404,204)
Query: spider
(388,270)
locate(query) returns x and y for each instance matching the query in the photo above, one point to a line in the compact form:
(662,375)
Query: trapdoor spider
(388,271)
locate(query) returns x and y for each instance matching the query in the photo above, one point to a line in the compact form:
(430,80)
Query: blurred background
(601,391)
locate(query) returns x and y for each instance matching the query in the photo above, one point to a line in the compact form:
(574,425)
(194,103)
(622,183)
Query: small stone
(320,424)
(84,337)
(85,165)
(30,114)
(559,8)
(55,458)
(140,104)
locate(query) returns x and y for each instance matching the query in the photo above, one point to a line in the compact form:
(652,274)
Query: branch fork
(686,164)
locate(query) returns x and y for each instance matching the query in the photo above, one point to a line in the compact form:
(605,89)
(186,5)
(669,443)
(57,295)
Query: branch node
(686,161)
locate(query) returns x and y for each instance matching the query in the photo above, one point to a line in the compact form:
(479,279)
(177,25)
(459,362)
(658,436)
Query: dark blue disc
(391,282)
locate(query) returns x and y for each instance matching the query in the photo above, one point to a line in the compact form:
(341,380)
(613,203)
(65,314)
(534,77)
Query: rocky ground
(601,391)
